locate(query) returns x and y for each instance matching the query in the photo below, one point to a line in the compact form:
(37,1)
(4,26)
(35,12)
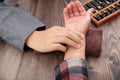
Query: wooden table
(15,65)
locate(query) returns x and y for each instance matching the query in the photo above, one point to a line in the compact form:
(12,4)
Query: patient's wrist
(75,53)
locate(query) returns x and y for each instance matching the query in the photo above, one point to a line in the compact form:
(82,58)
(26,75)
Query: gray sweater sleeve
(16,25)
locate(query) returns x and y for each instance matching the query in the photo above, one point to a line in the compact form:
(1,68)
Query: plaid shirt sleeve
(72,69)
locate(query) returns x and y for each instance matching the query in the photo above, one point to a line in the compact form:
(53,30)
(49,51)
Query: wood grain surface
(15,65)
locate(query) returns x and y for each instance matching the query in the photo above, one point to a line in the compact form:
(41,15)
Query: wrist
(75,53)
(32,39)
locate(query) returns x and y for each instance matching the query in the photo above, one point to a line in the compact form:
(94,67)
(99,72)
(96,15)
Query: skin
(53,39)
(78,20)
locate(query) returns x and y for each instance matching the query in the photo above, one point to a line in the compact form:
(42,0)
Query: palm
(76,18)
(77,23)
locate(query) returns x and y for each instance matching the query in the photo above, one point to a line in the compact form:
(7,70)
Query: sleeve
(16,25)
(72,69)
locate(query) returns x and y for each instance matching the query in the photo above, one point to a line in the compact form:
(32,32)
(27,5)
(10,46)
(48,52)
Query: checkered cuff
(71,69)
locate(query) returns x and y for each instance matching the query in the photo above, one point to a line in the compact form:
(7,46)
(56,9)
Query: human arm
(74,66)
(78,20)
(19,28)
(53,39)
(16,25)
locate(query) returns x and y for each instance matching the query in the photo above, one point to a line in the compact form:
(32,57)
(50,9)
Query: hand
(77,18)
(52,39)
(76,53)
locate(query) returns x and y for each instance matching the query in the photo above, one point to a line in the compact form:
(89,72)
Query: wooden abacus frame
(107,18)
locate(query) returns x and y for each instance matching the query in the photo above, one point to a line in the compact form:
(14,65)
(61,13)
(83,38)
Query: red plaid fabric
(72,69)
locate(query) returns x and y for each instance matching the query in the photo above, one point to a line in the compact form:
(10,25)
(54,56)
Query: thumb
(89,12)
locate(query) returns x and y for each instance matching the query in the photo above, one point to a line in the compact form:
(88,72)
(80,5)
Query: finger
(60,47)
(66,13)
(75,9)
(71,14)
(80,35)
(65,40)
(71,35)
(89,12)
(80,8)
(71,43)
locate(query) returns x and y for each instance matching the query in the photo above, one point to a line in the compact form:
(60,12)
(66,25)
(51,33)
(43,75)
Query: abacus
(105,10)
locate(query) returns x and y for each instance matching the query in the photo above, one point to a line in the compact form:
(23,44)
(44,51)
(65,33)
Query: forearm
(72,69)
(75,53)
(75,65)
(16,25)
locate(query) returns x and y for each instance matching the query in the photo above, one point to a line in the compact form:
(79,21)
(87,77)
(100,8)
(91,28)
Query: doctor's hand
(53,39)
